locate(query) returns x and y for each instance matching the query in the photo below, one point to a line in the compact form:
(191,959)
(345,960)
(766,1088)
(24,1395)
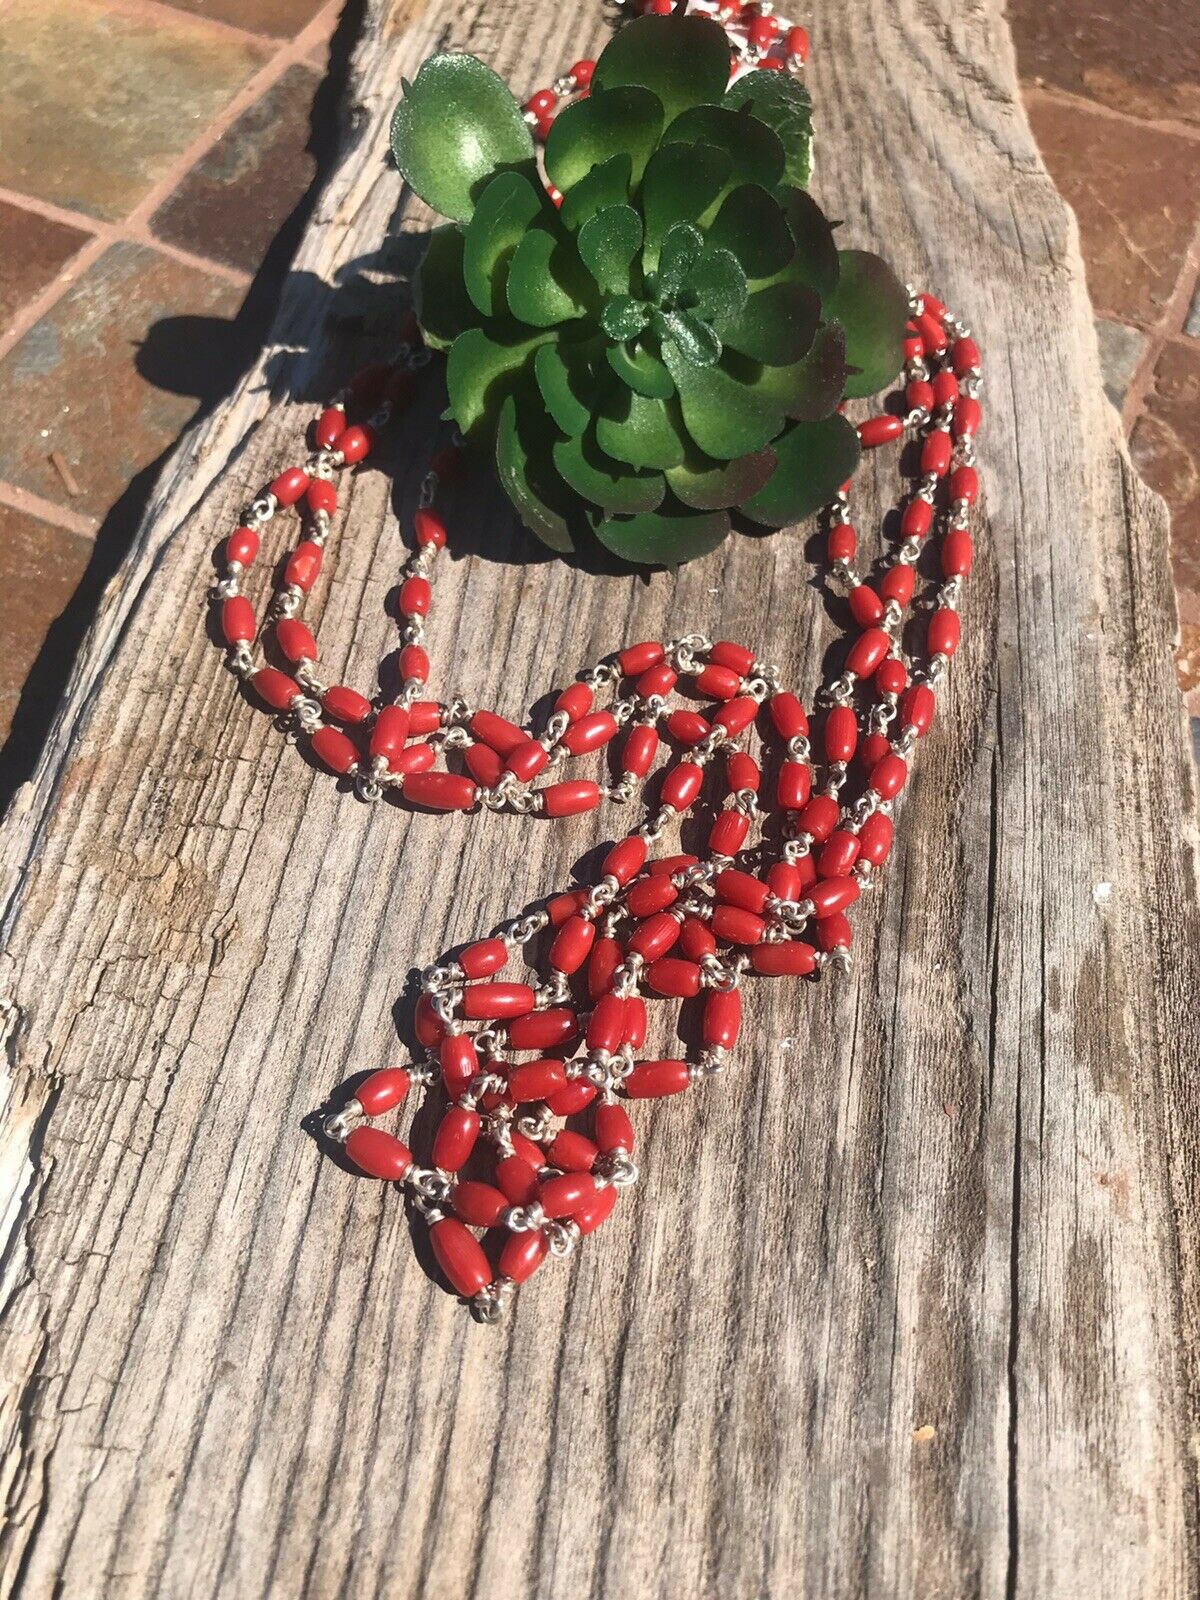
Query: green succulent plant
(672,342)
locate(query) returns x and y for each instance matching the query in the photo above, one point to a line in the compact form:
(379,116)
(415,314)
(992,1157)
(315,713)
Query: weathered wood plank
(953,1190)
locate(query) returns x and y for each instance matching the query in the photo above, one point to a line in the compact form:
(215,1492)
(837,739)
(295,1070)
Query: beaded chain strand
(535,1073)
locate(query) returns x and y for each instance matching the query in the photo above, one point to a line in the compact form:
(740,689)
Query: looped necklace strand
(535,1073)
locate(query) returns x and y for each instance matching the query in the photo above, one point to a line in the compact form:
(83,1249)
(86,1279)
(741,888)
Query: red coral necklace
(534,1144)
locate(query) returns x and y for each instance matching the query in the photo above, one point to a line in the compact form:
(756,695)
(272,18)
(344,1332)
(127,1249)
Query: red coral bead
(589,733)
(460,1256)
(490,1002)
(819,817)
(943,635)
(917,707)
(916,519)
(428,528)
(606,1025)
(237,620)
(575,1096)
(575,701)
(865,605)
(964,357)
(696,939)
(541,1030)
(841,732)
(501,735)
(651,894)
(875,838)
(785,880)
(838,854)
(728,833)
(541,102)
(517,1179)
(382,1090)
(638,658)
(480,1204)
(416,758)
(935,453)
(888,775)
(536,1079)
(737,926)
(332,747)
(957,552)
(794,786)
(725,653)
(688,727)
(602,965)
(682,785)
(741,889)
(484,765)
(658,680)
(833,933)
(303,565)
(625,860)
(379,1154)
(295,640)
(242,546)
(562,1196)
(455,1138)
(792,959)
(867,651)
(344,704)
(356,443)
(527,760)
(415,596)
(932,333)
(652,1080)
(289,486)
(440,791)
(833,894)
(569,799)
(427,1025)
(572,1152)
(641,745)
(842,543)
(873,748)
(964,485)
(737,715)
(897,584)
(275,687)
(741,772)
(330,426)
(789,716)
(718,683)
(613,1129)
(655,936)
(879,430)
(571,945)
(722,1019)
(522,1255)
(891,675)
(761,30)
(967,417)
(582,72)
(485,956)
(322,496)
(796,44)
(674,978)
(424,716)
(459,1061)
(414,663)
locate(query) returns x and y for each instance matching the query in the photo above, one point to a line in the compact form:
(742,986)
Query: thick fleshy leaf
(546,281)
(682,182)
(716,286)
(481,370)
(642,370)
(618,122)
(776,324)
(872,307)
(681,249)
(812,387)
(540,496)
(664,538)
(682,60)
(690,335)
(755,151)
(814,460)
(777,99)
(608,244)
(725,417)
(641,431)
(751,224)
(708,485)
(816,260)
(609,484)
(506,208)
(443,307)
(606,185)
(457,125)
(624,317)
(568,376)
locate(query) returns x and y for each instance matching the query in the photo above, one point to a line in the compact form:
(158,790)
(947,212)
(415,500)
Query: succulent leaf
(673,342)
(457,125)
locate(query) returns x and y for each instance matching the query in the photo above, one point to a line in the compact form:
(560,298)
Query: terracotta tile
(33,251)
(97,102)
(278,19)
(1121,349)
(1187,657)
(113,371)
(1166,448)
(40,567)
(235,200)
(1136,192)
(1143,58)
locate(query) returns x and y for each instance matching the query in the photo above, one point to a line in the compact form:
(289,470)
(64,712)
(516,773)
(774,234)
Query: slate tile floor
(138,271)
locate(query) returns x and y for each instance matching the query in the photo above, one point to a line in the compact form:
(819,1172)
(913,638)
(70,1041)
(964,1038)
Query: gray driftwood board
(952,1193)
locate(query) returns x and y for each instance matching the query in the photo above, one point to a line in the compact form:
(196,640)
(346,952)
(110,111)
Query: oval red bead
(606,1025)
(943,635)
(459,1061)
(527,760)
(785,880)
(561,1196)
(356,443)
(480,1204)
(440,791)
(242,545)
(651,1080)
(722,1019)
(571,1152)
(888,775)
(575,701)
(879,430)
(415,596)
(536,1079)
(329,427)
(602,964)
(789,717)
(625,860)
(641,746)
(275,687)
(571,945)
(237,620)
(613,1129)
(688,727)
(842,542)
(741,889)
(460,1256)
(540,1030)
(522,1255)
(957,551)
(794,786)
(332,747)
(819,817)
(589,733)
(289,486)
(964,357)
(382,1090)
(379,1154)
(517,1179)
(791,959)
(674,978)
(865,605)
(651,894)
(455,1138)
(838,854)
(736,715)
(867,651)
(682,785)
(490,1002)
(322,496)
(964,485)
(832,894)
(916,519)
(833,933)
(655,936)
(345,705)
(717,682)
(295,640)
(736,925)
(638,658)
(428,528)
(569,799)
(841,733)
(728,833)
(501,735)
(483,957)
(658,680)
(696,939)
(484,765)
(741,772)
(303,565)
(875,838)
(917,707)
(935,452)
(416,758)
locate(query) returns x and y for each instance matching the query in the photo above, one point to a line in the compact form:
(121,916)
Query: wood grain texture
(952,1192)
